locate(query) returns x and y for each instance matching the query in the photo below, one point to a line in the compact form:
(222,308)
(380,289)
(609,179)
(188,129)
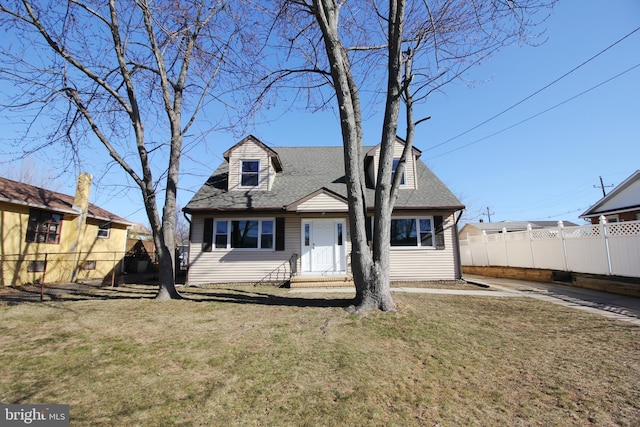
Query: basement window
(89,265)
(36,266)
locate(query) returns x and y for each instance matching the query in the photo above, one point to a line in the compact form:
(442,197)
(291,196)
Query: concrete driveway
(615,306)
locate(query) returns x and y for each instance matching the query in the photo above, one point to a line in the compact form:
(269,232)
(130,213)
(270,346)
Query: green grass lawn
(259,356)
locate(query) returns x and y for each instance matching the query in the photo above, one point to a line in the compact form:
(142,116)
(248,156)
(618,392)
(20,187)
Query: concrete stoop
(321,282)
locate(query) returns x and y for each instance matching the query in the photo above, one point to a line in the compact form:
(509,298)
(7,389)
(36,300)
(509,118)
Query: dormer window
(403,179)
(249,173)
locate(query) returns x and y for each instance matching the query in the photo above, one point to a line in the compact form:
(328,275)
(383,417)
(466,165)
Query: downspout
(124,248)
(458,259)
(186,279)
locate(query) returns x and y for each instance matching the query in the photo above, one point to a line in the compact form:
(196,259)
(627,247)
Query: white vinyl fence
(607,249)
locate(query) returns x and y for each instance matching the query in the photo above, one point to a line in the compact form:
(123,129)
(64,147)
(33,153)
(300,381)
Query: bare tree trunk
(378,294)
(370,269)
(137,72)
(326,12)
(451,36)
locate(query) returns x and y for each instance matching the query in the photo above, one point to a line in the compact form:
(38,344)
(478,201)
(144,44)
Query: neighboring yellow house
(49,237)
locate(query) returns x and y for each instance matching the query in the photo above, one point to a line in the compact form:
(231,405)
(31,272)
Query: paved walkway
(613,306)
(489,293)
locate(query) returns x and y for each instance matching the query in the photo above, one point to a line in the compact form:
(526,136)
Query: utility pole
(489,214)
(601,186)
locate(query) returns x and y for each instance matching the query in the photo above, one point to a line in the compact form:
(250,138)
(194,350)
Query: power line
(535,93)
(536,115)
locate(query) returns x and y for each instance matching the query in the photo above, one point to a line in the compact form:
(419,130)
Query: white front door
(323,246)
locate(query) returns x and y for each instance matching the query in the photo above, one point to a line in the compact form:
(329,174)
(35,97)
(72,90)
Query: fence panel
(586,249)
(547,249)
(606,249)
(465,253)
(496,250)
(22,269)
(519,249)
(478,251)
(624,248)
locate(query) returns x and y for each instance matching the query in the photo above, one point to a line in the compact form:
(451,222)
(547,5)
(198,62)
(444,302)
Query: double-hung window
(44,227)
(403,179)
(412,232)
(249,173)
(245,234)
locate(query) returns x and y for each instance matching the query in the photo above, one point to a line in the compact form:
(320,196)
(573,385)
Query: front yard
(260,356)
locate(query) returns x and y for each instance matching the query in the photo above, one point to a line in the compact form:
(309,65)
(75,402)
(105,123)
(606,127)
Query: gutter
(38,206)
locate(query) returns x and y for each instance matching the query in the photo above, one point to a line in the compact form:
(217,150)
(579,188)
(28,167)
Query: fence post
(564,245)
(44,275)
(605,235)
(530,237)
(113,270)
(484,243)
(504,241)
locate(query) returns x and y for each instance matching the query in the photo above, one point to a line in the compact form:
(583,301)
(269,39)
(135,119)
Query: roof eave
(610,212)
(448,208)
(39,206)
(233,209)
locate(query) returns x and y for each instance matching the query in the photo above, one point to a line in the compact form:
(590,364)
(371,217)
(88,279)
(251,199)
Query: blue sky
(542,169)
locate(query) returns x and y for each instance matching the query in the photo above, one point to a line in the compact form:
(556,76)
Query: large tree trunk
(371,278)
(166,276)
(166,271)
(378,295)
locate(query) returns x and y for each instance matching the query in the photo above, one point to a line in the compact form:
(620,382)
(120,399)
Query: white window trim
(404,173)
(107,229)
(229,248)
(418,240)
(240,173)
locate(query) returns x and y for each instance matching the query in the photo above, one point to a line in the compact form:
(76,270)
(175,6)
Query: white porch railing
(606,249)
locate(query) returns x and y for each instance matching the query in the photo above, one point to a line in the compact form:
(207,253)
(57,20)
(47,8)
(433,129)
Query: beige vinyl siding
(247,266)
(250,151)
(243,266)
(409,264)
(410,166)
(323,203)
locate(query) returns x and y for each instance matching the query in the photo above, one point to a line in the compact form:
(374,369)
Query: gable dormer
(409,180)
(252,165)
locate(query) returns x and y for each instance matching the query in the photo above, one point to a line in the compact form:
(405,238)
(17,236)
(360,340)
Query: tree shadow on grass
(75,292)
(131,291)
(240,296)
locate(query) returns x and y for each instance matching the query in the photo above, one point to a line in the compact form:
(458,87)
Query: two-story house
(46,236)
(264,208)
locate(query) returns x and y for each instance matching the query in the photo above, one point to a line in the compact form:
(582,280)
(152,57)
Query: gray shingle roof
(309,169)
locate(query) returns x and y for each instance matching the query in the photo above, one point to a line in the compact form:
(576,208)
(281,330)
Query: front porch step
(321,282)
